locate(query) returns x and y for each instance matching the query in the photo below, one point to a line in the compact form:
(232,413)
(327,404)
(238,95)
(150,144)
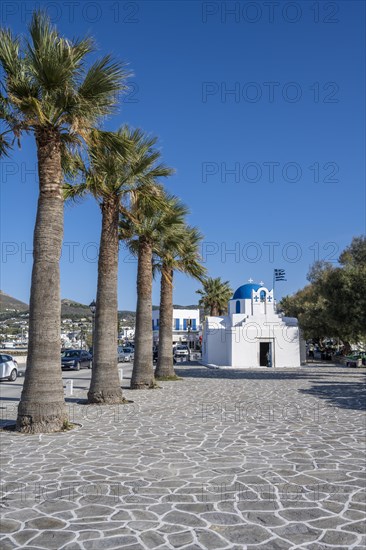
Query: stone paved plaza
(222,459)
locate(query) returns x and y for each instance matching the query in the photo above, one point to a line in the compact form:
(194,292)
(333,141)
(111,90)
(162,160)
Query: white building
(252,334)
(126,333)
(185,326)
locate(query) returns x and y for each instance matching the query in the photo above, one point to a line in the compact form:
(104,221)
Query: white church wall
(235,340)
(244,347)
(287,346)
(215,341)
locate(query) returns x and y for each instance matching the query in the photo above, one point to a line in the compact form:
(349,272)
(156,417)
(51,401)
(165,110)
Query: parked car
(76,359)
(8,368)
(181,351)
(125,354)
(129,352)
(8,345)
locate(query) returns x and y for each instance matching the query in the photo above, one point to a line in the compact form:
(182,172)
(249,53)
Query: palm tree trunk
(42,405)
(105,386)
(143,370)
(165,366)
(214,311)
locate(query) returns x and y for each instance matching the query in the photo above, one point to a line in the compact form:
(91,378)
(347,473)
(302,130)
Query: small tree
(215,296)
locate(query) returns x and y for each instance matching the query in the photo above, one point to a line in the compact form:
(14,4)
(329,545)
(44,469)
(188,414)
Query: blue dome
(245,291)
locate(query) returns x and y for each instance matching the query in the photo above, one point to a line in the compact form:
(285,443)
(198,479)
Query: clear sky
(259,106)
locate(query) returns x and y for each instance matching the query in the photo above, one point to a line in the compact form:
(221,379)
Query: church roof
(245,291)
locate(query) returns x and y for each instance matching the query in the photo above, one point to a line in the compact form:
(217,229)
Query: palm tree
(178,250)
(142,231)
(215,296)
(119,163)
(105,176)
(48,92)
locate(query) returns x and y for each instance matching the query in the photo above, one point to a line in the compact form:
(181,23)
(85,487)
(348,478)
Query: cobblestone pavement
(222,459)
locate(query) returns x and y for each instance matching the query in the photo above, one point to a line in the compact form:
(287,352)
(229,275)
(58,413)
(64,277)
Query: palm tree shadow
(189,370)
(345,395)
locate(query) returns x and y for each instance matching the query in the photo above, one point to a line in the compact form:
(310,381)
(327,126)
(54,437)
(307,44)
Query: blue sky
(261,113)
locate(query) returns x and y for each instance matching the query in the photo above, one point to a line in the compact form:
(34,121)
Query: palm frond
(100,88)
(6,145)
(9,53)
(74,192)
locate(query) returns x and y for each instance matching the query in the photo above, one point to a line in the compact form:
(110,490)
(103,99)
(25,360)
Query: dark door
(264,348)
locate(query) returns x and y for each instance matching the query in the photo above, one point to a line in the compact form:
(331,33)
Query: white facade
(252,334)
(126,333)
(185,326)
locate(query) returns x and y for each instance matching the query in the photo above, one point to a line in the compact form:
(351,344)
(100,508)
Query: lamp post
(189,338)
(93,307)
(81,337)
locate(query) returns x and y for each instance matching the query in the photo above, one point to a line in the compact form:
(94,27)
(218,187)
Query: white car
(8,368)
(130,352)
(125,354)
(181,351)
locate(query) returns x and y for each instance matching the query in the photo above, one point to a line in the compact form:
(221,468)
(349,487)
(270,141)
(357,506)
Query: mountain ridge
(69,308)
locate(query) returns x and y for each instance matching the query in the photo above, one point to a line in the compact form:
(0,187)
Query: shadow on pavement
(346,395)
(190,370)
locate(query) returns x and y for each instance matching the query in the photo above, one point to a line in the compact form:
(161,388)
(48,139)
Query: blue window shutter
(177,324)
(184,324)
(194,324)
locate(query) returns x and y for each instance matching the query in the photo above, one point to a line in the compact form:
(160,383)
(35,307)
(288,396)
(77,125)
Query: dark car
(76,359)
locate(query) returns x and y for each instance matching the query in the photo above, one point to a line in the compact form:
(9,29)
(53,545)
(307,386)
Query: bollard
(120,370)
(69,387)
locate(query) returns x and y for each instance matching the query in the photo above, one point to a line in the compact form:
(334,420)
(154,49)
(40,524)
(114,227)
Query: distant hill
(176,306)
(70,309)
(8,303)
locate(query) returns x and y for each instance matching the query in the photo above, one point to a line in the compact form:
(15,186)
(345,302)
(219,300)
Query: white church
(252,334)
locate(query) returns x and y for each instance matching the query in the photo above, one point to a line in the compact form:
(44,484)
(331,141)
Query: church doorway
(265,354)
